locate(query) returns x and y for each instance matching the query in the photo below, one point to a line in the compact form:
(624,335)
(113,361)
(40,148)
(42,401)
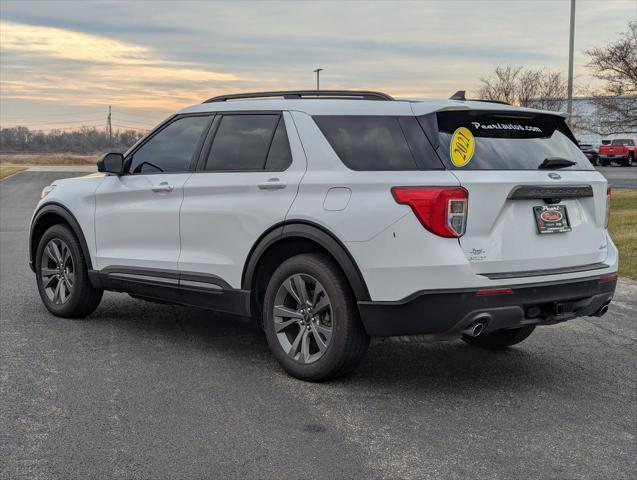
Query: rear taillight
(607,207)
(441,210)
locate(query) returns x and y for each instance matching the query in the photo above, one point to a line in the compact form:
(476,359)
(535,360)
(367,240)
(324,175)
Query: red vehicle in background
(620,150)
(590,151)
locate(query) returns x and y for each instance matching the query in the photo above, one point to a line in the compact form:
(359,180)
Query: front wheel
(62,276)
(311,319)
(500,338)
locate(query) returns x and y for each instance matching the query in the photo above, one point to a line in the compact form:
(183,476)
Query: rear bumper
(449,312)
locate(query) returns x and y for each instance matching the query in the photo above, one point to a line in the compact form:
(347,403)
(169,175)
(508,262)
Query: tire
(62,276)
(330,319)
(500,339)
(604,163)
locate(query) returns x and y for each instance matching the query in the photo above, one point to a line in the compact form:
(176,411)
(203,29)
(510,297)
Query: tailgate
(535,201)
(502,233)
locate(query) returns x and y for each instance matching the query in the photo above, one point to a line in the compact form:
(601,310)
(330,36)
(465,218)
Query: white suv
(337,216)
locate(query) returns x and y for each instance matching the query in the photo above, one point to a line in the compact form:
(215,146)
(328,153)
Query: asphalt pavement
(141,390)
(620,177)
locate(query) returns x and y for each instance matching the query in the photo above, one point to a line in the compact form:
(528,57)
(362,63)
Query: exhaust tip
(474,329)
(602,311)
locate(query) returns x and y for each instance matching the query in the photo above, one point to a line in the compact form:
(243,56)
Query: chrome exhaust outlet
(474,329)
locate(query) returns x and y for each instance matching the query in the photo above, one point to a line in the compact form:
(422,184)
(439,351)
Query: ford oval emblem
(555,176)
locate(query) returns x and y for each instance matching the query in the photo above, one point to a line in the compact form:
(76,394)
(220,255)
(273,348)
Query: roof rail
(460,95)
(300,94)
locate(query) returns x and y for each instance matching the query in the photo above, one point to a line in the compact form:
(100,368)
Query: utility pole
(571,44)
(318,72)
(109,126)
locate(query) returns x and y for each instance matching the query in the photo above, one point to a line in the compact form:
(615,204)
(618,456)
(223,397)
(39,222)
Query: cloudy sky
(63,63)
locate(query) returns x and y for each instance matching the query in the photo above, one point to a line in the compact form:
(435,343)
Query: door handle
(272,184)
(163,187)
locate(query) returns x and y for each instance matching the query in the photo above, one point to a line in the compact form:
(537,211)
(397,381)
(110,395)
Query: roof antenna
(459,95)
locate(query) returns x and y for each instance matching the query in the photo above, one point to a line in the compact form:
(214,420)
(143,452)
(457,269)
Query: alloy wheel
(57,272)
(303,318)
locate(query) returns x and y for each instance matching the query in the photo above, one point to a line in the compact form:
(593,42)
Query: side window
(279,156)
(171,149)
(368,142)
(242,142)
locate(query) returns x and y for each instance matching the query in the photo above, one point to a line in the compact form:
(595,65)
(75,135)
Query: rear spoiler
(427,107)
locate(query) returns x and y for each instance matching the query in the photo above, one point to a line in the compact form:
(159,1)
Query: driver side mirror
(111,163)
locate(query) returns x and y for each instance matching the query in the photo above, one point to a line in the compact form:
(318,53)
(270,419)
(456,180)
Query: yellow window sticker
(462,147)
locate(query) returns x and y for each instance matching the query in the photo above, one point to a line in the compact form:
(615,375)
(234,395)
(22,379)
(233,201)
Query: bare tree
(616,66)
(525,87)
(502,85)
(552,91)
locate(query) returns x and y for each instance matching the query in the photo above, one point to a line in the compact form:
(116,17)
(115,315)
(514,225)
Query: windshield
(496,140)
(622,142)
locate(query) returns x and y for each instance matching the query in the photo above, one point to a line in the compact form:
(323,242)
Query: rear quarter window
(508,140)
(378,143)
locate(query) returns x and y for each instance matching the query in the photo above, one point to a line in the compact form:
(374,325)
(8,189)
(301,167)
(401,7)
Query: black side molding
(61,211)
(317,234)
(531,192)
(170,286)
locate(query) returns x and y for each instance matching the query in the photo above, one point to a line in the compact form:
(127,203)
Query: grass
(6,170)
(47,159)
(623,230)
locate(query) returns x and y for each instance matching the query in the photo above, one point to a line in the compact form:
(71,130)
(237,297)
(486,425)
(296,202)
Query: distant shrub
(82,140)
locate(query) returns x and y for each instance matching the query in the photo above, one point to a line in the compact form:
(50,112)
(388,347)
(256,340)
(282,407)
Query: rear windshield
(372,143)
(622,142)
(487,140)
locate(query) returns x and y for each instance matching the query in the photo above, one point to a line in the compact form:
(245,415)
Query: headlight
(46,191)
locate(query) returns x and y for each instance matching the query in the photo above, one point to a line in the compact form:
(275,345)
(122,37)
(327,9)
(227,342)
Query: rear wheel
(500,338)
(603,163)
(311,320)
(62,276)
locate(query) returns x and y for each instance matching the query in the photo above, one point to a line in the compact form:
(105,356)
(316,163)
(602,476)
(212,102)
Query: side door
(245,183)
(137,213)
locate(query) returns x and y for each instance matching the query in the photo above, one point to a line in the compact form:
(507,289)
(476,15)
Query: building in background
(587,122)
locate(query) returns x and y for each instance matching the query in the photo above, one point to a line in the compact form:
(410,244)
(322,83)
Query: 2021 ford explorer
(334,216)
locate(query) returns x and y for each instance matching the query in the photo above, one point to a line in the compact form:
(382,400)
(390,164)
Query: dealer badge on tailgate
(552,219)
